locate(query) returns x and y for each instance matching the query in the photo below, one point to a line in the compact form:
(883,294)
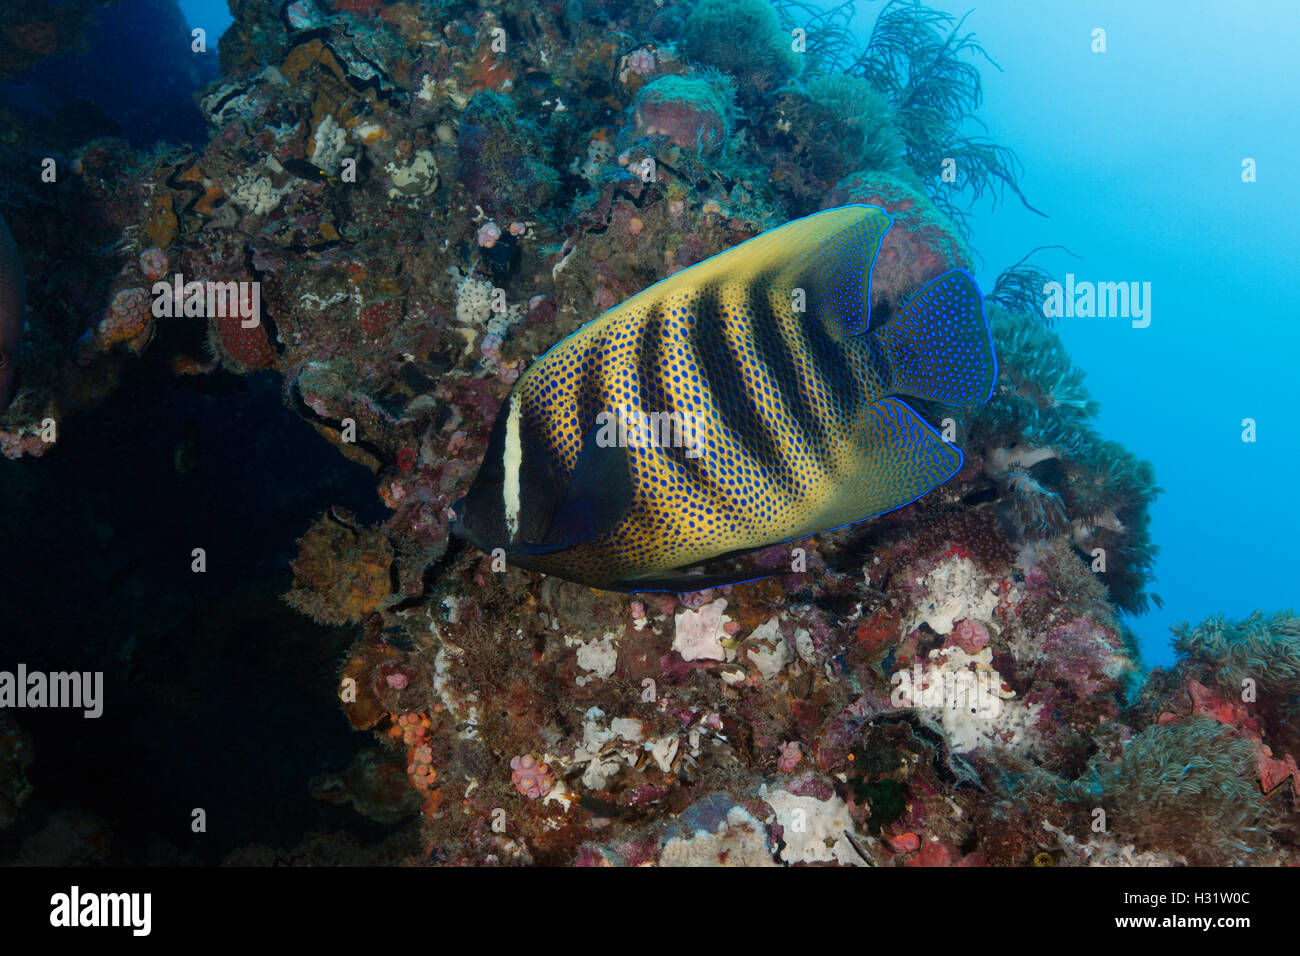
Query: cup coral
(791,754)
(531,778)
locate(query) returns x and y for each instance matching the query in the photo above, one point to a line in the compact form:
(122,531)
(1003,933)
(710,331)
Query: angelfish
(13,309)
(789,397)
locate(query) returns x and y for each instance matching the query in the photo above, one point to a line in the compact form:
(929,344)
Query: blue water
(212,15)
(1135,154)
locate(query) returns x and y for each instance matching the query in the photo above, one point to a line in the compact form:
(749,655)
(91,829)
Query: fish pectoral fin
(684,582)
(901,458)
(598,496)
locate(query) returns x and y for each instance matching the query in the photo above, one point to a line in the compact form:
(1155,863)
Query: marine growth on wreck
(845,574)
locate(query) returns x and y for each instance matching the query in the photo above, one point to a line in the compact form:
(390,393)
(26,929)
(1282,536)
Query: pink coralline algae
(397,680)
(531,778)
(1273,771)
(1082,653)
(791,754)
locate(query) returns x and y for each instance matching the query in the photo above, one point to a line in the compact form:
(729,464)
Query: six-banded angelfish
(741,402)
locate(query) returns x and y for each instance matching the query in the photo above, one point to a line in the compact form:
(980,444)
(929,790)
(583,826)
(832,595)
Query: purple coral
(531,778)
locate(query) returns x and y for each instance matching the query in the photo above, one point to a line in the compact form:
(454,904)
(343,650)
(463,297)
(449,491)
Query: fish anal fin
(900,458)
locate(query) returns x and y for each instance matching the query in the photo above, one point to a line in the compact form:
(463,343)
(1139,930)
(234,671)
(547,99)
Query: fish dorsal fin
(819,266)
(598,495)
(831,255)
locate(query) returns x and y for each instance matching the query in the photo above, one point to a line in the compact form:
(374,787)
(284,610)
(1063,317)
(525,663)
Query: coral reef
(692,113)
(1264,650)
(1181,786)
(743,38)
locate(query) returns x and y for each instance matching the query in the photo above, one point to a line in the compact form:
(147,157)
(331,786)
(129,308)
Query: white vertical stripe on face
(510,465)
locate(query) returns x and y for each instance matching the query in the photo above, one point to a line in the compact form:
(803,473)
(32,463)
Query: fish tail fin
(939,348)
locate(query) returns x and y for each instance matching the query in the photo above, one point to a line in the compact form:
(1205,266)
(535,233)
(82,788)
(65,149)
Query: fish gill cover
(393,210)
